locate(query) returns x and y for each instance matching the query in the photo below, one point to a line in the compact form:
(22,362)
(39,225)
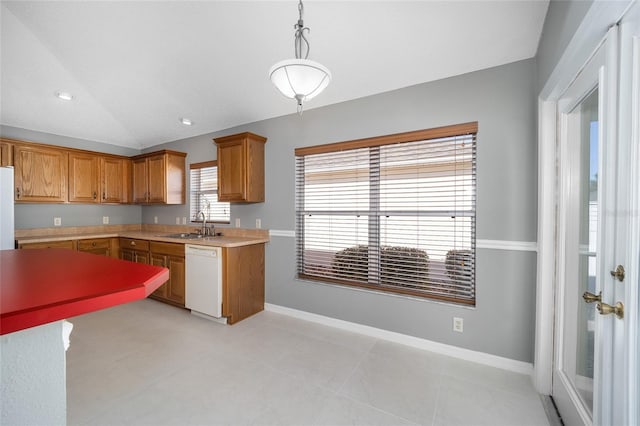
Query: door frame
(598,73)
(589,35)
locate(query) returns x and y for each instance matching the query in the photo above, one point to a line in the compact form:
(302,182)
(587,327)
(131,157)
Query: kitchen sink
(184,236)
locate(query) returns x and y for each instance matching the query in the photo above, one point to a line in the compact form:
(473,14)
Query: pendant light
(300,78)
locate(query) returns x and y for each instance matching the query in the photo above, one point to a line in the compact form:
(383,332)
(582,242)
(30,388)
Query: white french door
(595,373)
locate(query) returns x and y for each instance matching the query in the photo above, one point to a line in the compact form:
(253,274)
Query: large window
(204,194)
(393,213)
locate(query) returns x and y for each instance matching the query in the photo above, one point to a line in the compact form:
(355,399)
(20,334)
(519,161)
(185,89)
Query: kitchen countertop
(46,285)
(220,241)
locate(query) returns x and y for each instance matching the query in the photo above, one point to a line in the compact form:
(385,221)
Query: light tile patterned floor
(149,363)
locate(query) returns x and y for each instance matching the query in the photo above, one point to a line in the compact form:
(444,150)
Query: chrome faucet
(204,223)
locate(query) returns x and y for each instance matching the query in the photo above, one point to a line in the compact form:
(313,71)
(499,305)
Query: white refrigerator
(6,208)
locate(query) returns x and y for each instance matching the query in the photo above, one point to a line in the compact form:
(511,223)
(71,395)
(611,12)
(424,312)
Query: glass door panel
(587,225)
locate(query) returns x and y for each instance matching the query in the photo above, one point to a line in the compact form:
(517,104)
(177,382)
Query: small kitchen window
(392,213)
(204,194)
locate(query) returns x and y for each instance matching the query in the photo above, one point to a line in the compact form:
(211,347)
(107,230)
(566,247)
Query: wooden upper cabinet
(159,178)
(40,174)
(140,175)
(6,153)
(157,181)
(84,178)
(241,168)
(115,180)
(51,174)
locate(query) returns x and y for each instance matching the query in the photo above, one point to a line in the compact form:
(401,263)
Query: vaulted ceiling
(135,68)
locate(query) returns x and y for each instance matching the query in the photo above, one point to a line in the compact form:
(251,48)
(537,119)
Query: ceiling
(135,68)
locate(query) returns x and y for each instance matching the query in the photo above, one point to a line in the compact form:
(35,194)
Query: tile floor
(149,363)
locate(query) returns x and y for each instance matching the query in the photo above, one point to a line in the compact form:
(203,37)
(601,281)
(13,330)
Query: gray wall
(502,100)
(41,215)
(562,21)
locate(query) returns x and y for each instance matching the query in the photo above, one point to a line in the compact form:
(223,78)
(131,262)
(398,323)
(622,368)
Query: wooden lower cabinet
(66,244)
(171,256)
(134,250)
(243,278)
(101,246)
(242,274)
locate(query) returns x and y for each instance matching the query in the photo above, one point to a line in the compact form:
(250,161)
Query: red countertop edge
(26,318)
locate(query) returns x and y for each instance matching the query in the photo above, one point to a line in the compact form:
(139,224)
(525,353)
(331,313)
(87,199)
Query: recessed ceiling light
(65,96)
(186,121)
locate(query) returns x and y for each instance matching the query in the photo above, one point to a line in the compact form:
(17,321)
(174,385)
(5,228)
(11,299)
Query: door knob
(618,273)
(590,297)
(617,309)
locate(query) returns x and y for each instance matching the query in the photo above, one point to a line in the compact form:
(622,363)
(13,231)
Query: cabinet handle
(95,195)
(104,197)
(17,192)
(93,244)
(133,243)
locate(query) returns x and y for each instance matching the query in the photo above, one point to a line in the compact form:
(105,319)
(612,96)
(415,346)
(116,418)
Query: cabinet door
(40,174)
(84,173)
(157,179)
(141,257)
(176,288)
(140,180)
(161,260)
(6,154)
(231,171)
(113,180)
(126,254)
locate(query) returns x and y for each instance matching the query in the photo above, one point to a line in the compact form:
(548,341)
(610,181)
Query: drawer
(174,249)
(134,244)
(67,244)
(99,243)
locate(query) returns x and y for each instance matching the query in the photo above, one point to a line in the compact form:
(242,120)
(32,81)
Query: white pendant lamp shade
(300,79)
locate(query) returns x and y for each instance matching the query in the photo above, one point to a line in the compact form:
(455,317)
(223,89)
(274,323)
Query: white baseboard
(416,342)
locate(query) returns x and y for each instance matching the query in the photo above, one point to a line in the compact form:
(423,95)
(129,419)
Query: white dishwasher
(204,280)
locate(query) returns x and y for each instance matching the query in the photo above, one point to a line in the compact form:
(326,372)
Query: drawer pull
(133,243)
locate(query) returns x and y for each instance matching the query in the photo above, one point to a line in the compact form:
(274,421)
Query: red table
(40,286)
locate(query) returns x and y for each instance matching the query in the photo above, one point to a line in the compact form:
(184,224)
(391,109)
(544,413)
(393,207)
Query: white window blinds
(395,213)
(204,194)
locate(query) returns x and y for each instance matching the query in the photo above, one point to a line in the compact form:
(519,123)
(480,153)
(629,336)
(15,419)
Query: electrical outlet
(258,223)
(105,220)
(57,221)
(237,222)
(155,219)
(177,221)
(184,220)
(458,324)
